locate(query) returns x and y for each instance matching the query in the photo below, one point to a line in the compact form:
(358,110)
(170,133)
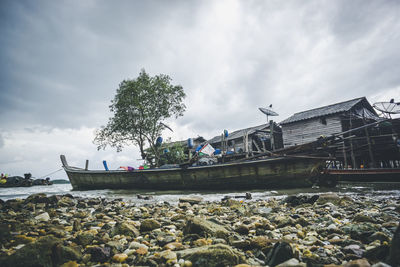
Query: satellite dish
(387,108)
(268,112)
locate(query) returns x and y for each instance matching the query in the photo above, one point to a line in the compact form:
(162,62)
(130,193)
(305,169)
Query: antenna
(388,108)
(268,112)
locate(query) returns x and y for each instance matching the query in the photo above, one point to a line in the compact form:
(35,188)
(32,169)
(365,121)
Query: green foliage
(139,108)
(172,153)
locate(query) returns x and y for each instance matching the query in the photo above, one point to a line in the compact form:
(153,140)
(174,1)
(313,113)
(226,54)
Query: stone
(84,239)
(205,227)
(360,231)
(120,257)
(213,255)
(191,199)
(328,197)
(149,225)
(43,217)
(70,264)
(173,246)
(281,252)
(242,229)
(46,251)
(357,263)
(124,228)
(260,242)
(293,262)
(168,255)
(354,249)
(394,254)
(142,251)
(66,201)
(99,254)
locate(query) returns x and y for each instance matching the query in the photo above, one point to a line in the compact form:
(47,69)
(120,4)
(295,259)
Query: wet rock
(46,251)
(281,252)
(168,255)
(214,255)
(360,231)
(379,236)
(37,198)
(43,217)
(121,257)
(394,257)
(99,254)
(354,249)
(293,262)
(66,201)
(205,228)
(359,217)
(329,197)
(149,225)
(300,200)
(358,263)
(379,253)
(191,199)
(84,239)
(242,229)
(260,242)
(124,228)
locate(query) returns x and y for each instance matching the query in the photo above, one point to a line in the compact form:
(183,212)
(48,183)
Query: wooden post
(87,165)
(353,160)
(371,155)
(344,156)
(271,130)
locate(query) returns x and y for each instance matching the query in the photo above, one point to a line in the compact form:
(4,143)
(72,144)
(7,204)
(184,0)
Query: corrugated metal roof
(323,111)
(239,133)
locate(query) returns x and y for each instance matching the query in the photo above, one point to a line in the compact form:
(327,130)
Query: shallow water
(378,190)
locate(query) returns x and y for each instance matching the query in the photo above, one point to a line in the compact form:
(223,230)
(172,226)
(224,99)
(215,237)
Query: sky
(62,61)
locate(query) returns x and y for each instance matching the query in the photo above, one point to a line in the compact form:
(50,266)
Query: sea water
(378,190)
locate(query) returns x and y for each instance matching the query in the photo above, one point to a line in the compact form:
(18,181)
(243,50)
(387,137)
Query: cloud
(62,62)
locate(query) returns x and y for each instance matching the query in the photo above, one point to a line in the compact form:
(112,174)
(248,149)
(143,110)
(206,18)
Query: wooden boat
(387,175)
(271,173)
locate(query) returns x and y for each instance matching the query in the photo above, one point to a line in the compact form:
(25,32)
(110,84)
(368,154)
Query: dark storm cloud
(62,61)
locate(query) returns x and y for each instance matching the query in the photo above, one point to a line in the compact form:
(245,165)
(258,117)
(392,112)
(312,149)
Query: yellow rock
(242,265)
(200,242)
(24,239)
(300,234)
(187,264)
(121,257)
(173,246)
(142,251)
(70,264)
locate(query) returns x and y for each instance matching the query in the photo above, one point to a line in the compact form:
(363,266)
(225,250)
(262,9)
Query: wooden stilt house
(251,140)
(367,147)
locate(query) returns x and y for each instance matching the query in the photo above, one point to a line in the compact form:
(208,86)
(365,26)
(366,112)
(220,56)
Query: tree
(139,108)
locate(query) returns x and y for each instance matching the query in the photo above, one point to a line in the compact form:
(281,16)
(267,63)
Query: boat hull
(261,174)
(390,175)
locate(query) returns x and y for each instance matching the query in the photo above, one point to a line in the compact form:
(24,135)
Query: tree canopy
(139,108)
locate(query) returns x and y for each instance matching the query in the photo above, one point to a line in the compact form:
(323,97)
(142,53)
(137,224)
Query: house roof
(326,110)
(239,133)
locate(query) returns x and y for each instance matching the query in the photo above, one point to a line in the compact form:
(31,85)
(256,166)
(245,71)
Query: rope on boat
(50,173)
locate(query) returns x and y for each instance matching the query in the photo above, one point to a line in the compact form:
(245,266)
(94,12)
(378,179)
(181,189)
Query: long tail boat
(270,173)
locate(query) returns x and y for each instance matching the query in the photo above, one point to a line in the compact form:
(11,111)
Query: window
(323,120)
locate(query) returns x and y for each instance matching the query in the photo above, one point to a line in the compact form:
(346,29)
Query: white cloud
(62,62)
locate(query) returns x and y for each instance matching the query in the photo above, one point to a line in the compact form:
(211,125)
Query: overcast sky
(62,61)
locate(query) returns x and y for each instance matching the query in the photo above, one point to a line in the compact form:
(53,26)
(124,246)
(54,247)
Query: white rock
(44,217)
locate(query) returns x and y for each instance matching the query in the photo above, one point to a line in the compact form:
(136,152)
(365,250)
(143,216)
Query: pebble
(326,229)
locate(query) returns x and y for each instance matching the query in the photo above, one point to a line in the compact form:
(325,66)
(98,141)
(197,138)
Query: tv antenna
(388,108)
(268,112)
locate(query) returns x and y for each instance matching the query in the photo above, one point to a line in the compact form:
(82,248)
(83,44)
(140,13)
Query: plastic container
(190,143)
(159,141)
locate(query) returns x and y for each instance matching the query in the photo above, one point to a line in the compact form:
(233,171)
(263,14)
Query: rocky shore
(303,230)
